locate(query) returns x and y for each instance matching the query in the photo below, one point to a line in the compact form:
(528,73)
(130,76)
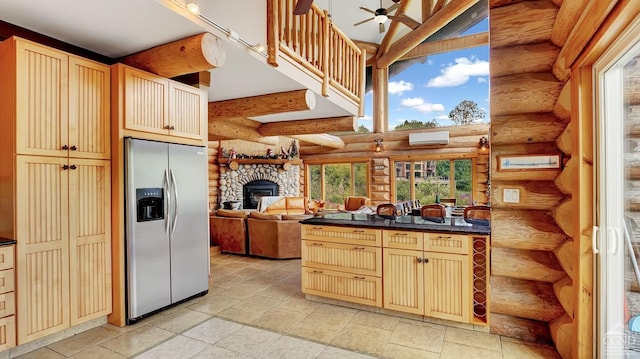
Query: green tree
(414,124)
(362,129)
(466,113)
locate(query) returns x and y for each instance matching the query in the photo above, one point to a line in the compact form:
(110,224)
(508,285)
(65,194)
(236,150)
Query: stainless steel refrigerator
(167,225)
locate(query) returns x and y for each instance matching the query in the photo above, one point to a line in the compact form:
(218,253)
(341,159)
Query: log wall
(532,251)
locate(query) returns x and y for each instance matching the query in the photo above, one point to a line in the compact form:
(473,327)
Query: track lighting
(378,142)
(483,144)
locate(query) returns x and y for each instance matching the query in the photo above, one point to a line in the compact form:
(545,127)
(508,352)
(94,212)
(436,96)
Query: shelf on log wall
(226,161)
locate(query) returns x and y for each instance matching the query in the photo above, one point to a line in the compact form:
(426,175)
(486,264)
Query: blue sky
(430,90)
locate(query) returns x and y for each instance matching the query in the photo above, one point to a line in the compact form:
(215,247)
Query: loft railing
(317,45)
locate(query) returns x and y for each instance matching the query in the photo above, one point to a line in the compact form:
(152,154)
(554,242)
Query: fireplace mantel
(224,161)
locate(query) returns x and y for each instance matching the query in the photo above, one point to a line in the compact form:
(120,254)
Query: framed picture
(528,162)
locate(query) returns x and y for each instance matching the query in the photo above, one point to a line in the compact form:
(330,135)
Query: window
(332,182)
(451,178)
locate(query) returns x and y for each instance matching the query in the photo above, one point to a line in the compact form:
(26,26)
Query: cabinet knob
(360,278)
(73,167)
(167,127)
(73,148)
(419,260)
(172,127)
(65,167)
(65,147)
(426,260)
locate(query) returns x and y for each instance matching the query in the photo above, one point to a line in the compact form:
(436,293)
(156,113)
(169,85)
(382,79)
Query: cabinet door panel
(89,239)
(89,109)
(447,243)
(447,282)
(343,286)
(41,100)
(147,102)
(342,257)
(188,112)
(402,240)
(42,252)
(345,235)
(403,280)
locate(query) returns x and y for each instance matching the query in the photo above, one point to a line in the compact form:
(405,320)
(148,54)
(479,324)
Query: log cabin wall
(463,141)
(532,245)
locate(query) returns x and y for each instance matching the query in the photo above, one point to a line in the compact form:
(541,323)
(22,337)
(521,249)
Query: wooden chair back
(434,212)
(386,210)
(477,215)
(448,202)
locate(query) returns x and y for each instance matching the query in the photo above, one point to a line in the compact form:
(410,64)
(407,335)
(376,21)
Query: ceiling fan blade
(302,7)
(362,22)
(367,10)
(381,27)
(392,7)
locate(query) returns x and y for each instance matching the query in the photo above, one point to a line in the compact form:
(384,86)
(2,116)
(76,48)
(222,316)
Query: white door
(617,101)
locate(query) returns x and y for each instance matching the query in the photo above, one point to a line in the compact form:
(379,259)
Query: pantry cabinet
(7,298)
(55,185)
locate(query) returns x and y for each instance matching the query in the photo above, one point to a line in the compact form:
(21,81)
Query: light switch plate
(511,195)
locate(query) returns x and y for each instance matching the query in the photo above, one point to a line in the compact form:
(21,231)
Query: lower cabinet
(7,299)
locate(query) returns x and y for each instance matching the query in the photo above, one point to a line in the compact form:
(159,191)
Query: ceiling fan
(380,15)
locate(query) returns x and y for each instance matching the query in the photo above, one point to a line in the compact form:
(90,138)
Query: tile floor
(255,309)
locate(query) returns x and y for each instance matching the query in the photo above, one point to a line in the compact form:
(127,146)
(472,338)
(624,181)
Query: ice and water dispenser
(150,204)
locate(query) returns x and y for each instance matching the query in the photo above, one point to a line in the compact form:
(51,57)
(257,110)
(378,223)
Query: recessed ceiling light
(193,8)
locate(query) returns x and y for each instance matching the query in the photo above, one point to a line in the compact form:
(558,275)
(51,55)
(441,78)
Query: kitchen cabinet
(431,278)
(156,105)
(62,102)
(55,185)
(342,263)
(7,298)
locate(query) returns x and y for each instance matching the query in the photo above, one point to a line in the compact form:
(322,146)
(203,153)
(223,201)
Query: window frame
(322,164)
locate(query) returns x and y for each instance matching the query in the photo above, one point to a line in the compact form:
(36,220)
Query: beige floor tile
(138,340)
(257,304)
(277,319)
(424,336)
(337,353)
(214,304)
(229,281)
(214,352)
(249,272)
(361,338)
(244,290)
(97,352)
(376,320)
(280,291)
(181,320)
(248,340)
(297,303)
(511,350)
(457,351)
(212,330)
(42,353)
(84,340)
(291,348)
(239,315)
(394,351)
(176,347)
(474,339)
(323,324)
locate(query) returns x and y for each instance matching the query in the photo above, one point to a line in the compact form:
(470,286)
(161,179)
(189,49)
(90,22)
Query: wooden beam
(428,28)
(321,139)
(196,79)
(229,130)
(541,266)
(520,328)
(512,60)
(192,54)
(386,42)
(524,22)
(524,299)
(524,93)
(380,79)
(566,19)
(592,17)
(303,127)
(441,46)
(405,19)
(524,229)
(525,128)
(261,105)
(370,47)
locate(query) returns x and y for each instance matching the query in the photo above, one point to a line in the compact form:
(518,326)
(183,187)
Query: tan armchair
(228,229)
(353,203)
(275,236)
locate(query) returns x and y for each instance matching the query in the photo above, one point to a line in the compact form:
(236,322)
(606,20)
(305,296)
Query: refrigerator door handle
(167,210)
(177,207)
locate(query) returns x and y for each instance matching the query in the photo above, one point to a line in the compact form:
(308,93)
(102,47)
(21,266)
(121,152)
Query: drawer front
(7,304)
(402,240)
(342,286)
(7,332)
(446,243)
(6,257)
(361,260)
(6,281)
(345,235)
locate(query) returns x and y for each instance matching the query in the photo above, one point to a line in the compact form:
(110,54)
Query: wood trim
(440,46)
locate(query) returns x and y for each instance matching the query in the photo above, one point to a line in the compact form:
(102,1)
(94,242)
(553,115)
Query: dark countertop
(6,241)
(411,223)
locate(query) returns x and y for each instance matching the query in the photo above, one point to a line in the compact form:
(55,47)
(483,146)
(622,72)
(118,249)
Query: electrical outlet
(511,195)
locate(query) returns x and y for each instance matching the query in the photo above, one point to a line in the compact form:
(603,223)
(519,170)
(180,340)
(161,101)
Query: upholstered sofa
(275,235)
(228,229)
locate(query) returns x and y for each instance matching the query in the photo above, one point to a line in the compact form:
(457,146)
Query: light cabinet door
(346,235)
(403,280)
(349,287)
(342,257)
(89,239)
(41,100)
(42,251)
(89,109)
(146,102)
(402,240)
(187,112)
(447,282)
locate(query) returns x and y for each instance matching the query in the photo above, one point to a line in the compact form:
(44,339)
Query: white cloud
(399,87)
(459,73)
(418,104)
(482,80)
(365,118)
(442,117)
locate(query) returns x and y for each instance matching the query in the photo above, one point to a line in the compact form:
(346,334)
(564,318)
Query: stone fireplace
(254,190)
(232,182)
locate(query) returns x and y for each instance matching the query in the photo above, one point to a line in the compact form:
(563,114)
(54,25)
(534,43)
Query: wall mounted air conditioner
(429,138)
